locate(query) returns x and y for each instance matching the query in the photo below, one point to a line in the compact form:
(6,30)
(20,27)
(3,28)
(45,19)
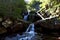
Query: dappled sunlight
(28,1)
(29,19)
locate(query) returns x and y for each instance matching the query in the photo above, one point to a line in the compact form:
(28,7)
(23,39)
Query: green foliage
(51,4)
(12,8)
(46,4)
(30,5)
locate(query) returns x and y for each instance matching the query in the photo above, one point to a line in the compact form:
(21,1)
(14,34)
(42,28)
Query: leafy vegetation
(12,8)
(51,7)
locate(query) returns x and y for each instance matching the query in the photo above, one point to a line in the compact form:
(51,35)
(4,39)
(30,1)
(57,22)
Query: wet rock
(13,26)
(48,27)
(2,30)
(7,23)
(1,19)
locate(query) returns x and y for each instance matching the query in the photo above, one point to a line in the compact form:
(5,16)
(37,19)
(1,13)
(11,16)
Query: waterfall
(30,28)
(25,17)
(29,31)
(28,35)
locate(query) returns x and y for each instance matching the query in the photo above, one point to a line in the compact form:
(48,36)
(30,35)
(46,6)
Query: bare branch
(48,17)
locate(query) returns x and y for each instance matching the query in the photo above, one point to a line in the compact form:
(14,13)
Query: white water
(25,17)
(28,35)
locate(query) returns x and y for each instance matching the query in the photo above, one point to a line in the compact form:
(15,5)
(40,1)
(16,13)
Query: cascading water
(26,35)
(25,17)
(29,32)
(30,28)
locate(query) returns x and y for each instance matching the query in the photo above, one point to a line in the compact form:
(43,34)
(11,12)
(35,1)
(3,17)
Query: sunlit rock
(1,19)
(7,23)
